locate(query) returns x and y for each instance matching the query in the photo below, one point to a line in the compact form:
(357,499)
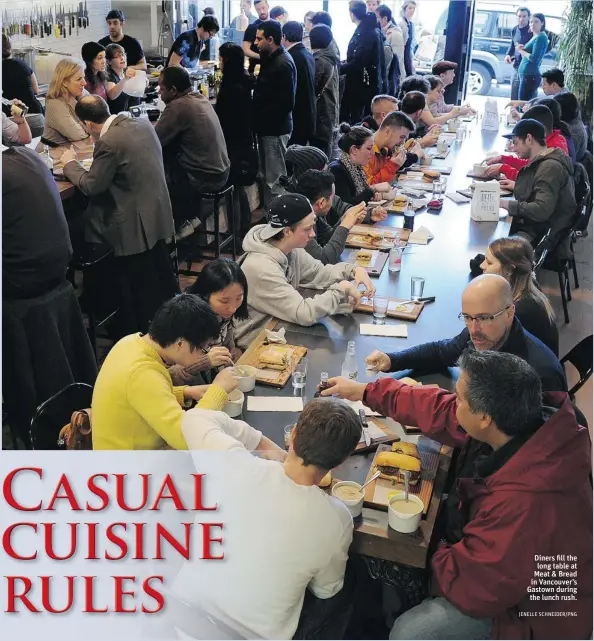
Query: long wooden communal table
(444,263)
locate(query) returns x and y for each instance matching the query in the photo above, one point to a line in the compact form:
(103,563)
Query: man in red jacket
(509,165)
(515,558)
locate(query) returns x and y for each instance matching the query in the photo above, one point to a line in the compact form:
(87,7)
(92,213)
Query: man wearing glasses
(488,313)
(187,47)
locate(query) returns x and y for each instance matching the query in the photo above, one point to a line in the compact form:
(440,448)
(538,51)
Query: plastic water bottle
(395,258)
(349,367)
(47,159)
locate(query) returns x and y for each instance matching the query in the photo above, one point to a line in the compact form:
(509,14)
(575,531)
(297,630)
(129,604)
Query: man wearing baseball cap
(543,190)
(276,264)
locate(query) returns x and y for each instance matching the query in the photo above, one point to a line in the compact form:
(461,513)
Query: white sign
(485,202)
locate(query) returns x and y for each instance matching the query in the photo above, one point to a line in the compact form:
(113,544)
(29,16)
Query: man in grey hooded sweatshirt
(276,264)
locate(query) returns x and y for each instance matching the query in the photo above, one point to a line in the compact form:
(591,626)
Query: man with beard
(488,313)
(134,54)
(274,101)
(249,37)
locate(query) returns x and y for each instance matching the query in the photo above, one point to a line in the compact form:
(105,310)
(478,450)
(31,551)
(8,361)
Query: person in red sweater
(522,496)
(388,153)
(509,165)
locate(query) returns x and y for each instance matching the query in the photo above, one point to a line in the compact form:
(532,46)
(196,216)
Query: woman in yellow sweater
(135,405)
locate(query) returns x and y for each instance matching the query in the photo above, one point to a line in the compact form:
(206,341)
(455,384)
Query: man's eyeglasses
(481,319)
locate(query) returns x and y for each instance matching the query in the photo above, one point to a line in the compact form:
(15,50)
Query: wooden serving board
(274,378)
(374,267)
(356,237)
(400,208)
(444,171)
(377,493)
(387,440)
(413,309)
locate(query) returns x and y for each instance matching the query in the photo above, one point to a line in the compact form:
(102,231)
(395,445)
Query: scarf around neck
(356,173)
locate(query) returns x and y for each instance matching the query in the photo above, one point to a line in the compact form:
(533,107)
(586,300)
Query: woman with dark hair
(532,54)
(18,79)
(513,258)
(559,125)
(234,109)
(356,146)
(94,56)
(224,287)
(116,77)
(570,115)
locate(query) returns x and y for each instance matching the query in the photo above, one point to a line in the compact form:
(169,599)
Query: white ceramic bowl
(355,506)
(405,523)
(234,404)
(246,382)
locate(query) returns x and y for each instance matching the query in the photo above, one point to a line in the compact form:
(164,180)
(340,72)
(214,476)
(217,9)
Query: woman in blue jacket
(532,54)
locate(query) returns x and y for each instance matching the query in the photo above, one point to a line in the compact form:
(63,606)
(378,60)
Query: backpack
(76,435)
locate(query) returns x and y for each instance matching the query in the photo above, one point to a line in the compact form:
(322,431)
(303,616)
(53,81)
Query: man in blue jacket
(488,313)
(520,35)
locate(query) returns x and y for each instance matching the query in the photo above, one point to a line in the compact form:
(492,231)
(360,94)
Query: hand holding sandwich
(344,388)
(353,215)
(362,278)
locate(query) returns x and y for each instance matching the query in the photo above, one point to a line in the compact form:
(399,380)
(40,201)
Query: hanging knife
(365,427)
(86,14)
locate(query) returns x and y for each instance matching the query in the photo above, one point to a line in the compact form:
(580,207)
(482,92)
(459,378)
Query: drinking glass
(380,309)
(437,189)
(300,373)
(416,287)
(460,134)
(287,434)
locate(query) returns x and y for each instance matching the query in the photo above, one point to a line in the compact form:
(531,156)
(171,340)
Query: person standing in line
(134,54)
(323,17)
(408,33)
(394,37)
(326,88)
(250,48)
(304,112)
(532,54)
(365,65)
(274,101)
(307,27)
(520,36)
(245,18)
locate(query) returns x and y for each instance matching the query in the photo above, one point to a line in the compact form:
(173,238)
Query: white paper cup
(405,523)
(355,506)
(246,381)
(234,404)
(479,169)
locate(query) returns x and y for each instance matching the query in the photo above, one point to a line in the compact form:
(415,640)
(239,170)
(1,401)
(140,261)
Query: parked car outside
(493,24)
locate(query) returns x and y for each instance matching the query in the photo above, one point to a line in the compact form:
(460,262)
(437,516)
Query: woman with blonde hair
(513,258)
(66,87)
(407,11)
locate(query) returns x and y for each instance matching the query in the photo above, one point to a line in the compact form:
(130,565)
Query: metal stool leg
(230,207)
(217,227)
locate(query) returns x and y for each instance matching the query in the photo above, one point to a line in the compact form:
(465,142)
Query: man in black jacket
(365,65)
(488,312)
(304,112)
(521,34)
(274,101)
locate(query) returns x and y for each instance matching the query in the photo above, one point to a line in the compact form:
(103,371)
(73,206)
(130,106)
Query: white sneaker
(184,231)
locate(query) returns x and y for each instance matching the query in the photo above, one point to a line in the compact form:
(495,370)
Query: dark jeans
(323,145)
(327,618)
(183,187)
(515,85)
(528,87)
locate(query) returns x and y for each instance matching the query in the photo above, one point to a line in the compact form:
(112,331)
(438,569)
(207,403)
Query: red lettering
(12,596)
(121,499)
(64,484)
(154,594)
(7,489)
(48,541)
(92,539)
(198,504)
(176,545)
(114,538)
(173,495)
(120,593)
(97,491)
(7,543)
(89,596)
(45,594)
(207,540)
(139,537)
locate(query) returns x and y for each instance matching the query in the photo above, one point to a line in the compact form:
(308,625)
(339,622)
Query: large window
(296,8)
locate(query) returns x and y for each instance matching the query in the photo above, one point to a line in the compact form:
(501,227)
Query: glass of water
(300,373)
(437,189)
(417,285)
(287,435)
(460,134)
(380,309)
